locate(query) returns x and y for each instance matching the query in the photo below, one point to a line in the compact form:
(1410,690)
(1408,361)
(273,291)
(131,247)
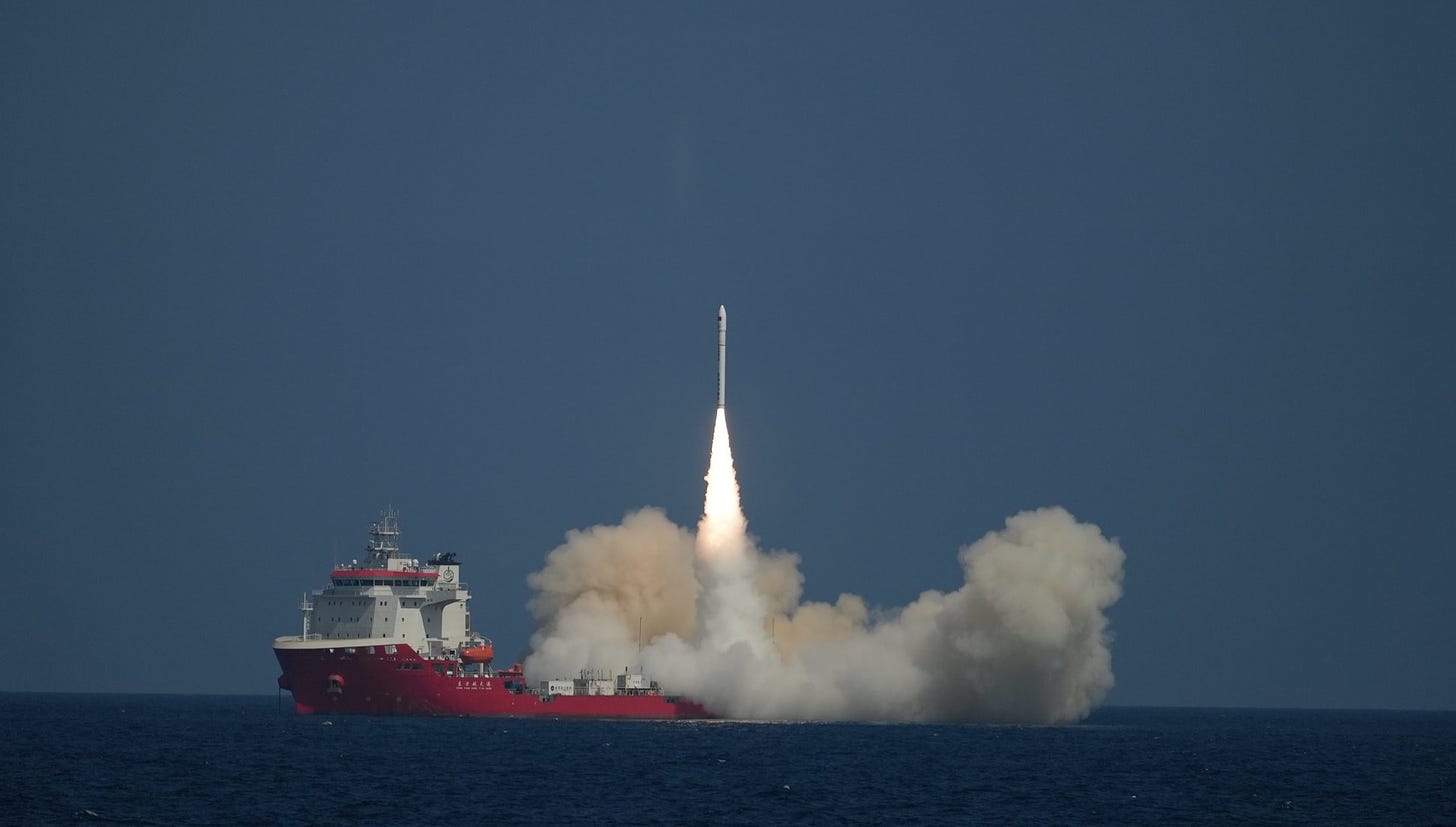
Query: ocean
(164,759)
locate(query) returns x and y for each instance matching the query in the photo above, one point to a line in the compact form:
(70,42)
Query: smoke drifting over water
(1024,639)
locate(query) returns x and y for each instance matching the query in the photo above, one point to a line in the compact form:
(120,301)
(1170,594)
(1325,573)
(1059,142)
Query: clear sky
(1185,269)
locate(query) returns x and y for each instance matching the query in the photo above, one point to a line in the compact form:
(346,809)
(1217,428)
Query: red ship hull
(369,681)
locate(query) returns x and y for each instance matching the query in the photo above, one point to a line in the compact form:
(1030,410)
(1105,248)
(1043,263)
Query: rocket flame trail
(731,612)
(1023,639)
(723,528)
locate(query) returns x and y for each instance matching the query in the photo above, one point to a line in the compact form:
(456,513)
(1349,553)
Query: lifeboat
(477,653)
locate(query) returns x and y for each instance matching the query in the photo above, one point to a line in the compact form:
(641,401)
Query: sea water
(159,759)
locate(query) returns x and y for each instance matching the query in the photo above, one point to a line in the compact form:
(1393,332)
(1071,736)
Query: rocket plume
(731,611)
(1024,638)
(723,528)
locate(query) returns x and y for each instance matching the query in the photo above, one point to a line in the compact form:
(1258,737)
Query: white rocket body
(722,353)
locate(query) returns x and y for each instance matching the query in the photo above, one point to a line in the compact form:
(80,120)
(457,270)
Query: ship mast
(384,537)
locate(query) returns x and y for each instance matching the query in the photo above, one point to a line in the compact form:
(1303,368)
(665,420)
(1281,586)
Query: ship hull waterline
(328,680)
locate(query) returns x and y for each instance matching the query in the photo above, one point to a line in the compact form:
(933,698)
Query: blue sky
(1184,269)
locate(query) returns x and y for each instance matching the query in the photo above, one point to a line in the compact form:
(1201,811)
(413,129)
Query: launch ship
(392,636)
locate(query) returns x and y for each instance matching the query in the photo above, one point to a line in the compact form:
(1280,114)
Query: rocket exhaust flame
(1023,639)
(723,528)
(730,610)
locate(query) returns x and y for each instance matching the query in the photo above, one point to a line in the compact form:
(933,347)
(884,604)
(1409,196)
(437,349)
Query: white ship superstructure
(389,598)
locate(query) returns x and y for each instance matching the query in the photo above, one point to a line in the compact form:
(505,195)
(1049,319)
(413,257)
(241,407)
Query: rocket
(722,352)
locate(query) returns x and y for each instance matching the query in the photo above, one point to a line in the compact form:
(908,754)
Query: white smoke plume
(1024,639)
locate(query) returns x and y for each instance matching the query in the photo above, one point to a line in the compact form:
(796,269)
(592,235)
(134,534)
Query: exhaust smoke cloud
(1023,639)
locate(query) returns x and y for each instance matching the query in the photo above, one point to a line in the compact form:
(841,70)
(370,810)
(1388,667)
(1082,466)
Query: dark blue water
(139,759)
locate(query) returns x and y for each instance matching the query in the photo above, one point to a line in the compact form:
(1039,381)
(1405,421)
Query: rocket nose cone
(722,313)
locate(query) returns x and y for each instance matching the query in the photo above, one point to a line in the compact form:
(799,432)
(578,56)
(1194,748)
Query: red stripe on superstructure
(376,573)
